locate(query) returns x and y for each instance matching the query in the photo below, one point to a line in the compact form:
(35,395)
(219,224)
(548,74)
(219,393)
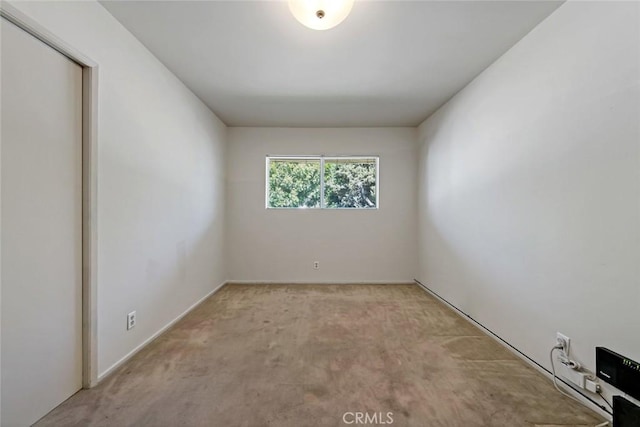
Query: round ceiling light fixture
(320,14)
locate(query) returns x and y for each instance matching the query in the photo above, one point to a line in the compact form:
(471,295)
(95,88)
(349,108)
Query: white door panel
(41,178)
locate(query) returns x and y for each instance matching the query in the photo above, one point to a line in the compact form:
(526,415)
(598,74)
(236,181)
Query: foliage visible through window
(350,183)
(346,182)
(294,183)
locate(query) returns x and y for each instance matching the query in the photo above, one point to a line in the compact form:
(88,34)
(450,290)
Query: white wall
(160,181)
(351,245)
(529,187)
(0,255)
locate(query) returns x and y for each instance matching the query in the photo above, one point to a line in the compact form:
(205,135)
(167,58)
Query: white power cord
(555,384)
(553,370)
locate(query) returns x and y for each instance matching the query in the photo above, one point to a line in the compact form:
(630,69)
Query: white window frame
(322,159)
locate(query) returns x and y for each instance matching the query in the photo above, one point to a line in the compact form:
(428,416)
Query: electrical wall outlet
(316,265)
(564,341)
(131,320)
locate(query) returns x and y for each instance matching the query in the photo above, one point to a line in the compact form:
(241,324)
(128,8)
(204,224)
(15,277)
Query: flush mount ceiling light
(320,14)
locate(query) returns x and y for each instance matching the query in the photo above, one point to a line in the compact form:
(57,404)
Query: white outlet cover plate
(562,336)
(131,320)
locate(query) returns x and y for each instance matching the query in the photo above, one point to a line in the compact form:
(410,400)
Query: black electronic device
(625,413)
(619,371)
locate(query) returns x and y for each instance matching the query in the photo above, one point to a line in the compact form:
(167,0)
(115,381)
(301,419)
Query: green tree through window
(294,183)
(350,183)
(347,182)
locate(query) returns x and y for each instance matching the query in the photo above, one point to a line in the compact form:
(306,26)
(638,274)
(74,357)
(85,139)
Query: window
(294,183)
(322,182)
(350,183)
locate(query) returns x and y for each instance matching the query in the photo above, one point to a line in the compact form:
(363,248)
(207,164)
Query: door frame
(89,184)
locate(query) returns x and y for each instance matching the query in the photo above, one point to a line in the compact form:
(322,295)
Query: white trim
(317,156)
(513,350)
(266,182)
(90,226)
(15,16)
(323,209)
(322,189)
(89,183)
(320,282)
(146,342)
(378,181)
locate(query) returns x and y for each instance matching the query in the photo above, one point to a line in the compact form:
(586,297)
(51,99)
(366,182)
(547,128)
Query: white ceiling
(390,63)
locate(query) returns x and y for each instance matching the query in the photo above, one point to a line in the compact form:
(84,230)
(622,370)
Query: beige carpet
(304,355)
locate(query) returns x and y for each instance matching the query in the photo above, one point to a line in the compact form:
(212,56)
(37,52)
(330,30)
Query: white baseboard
(521,355)
(320,282)
(133,352)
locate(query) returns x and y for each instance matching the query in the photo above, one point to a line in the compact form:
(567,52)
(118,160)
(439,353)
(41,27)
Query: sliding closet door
(41,226)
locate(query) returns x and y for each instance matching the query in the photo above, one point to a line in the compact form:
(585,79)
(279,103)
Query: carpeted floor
(304,355)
